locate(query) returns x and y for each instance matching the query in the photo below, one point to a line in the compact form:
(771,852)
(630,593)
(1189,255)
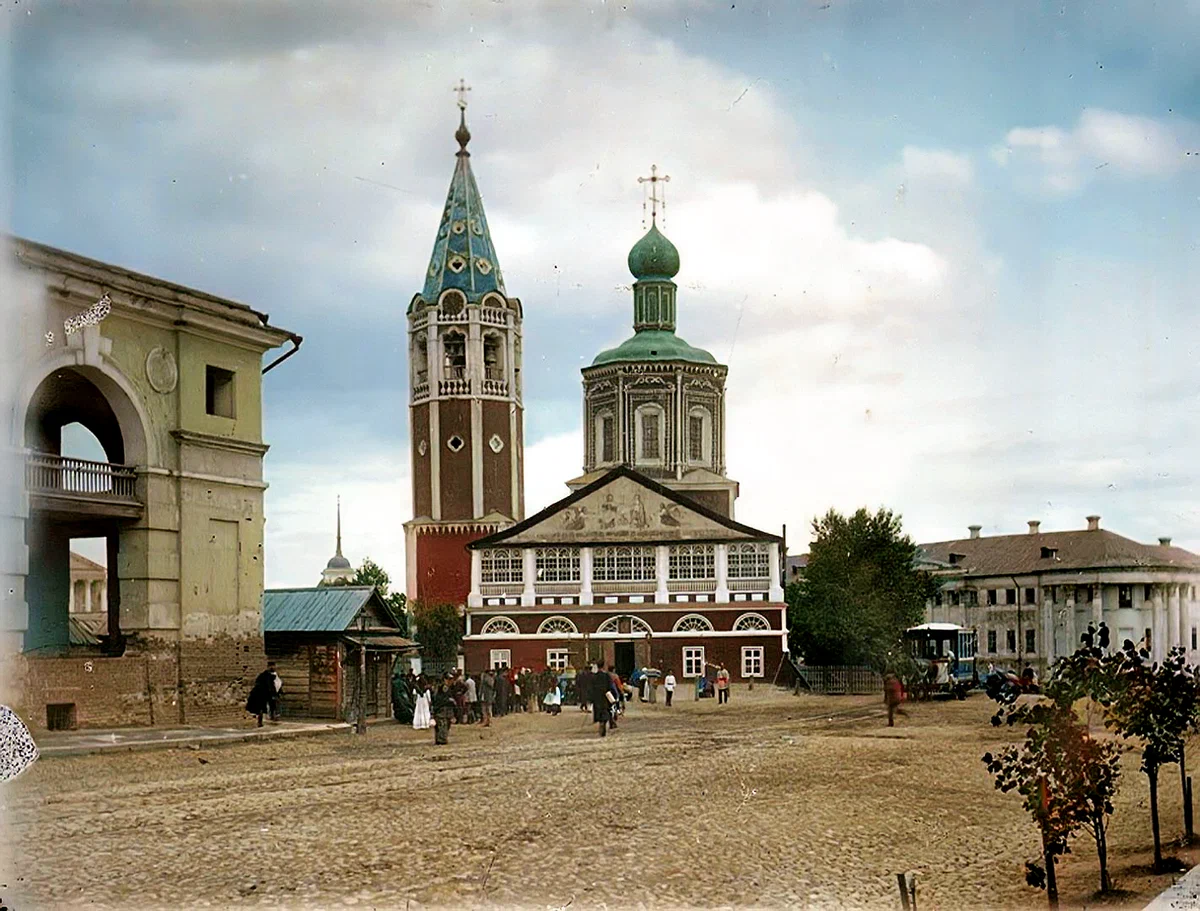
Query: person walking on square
(722,685)
(442,709)
(487,695)
(503,690)
(583,688)
(472,701)
(421,712)
(893,695)
(264,695)
(600,689)
(669,686)
(1102,636)
(618,692)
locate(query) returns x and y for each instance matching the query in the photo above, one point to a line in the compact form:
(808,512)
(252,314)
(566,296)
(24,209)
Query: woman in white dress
(422,720)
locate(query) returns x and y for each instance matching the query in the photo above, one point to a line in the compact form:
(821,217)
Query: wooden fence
(839,681)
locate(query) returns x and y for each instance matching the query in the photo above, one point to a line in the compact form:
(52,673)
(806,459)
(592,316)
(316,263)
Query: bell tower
(465,406)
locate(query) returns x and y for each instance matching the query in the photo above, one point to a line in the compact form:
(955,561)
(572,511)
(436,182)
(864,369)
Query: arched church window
(557,624)
(749,622)
(652,305)
(493,357)
(454,356)
(501,626)
(693,623)
(606,444)
(650,434)
(699,440)
(420,360)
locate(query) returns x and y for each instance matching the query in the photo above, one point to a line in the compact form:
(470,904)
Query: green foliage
(1065,777)
(371,573)
(860,590)
(439,631)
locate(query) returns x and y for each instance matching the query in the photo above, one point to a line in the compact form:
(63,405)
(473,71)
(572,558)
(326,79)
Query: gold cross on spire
(654,180)
(462,88)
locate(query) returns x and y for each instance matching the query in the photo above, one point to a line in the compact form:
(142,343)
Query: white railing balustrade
(623,588)
(454,387)
(45,473)
(699,586)
(492,316)
(749,585)
(495,387)
(556,588)
(492,589)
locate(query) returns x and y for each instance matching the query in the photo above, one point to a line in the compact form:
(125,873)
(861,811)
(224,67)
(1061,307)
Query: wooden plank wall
(292,664)
(325,680)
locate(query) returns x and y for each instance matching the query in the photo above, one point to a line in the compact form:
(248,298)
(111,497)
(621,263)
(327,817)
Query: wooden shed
(314,635)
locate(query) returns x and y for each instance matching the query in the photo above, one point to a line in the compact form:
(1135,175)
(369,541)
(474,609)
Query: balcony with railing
(62,484)
(454,381)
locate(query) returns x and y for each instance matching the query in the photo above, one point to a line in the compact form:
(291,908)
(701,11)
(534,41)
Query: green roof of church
(463,255)
(654,257)
(654,261)
(654,345)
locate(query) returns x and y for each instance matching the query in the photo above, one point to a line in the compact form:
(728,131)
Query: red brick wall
(444,567)
(422,492)
(721,618)
(497,466)
(666,654)
(142,687)
(454,417)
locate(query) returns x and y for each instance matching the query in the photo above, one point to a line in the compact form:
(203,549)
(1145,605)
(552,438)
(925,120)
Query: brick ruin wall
(159,683)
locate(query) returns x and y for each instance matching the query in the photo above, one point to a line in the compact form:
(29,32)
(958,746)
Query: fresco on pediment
(623,511)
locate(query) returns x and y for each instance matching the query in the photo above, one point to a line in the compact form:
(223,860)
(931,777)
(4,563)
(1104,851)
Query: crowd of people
(426,701)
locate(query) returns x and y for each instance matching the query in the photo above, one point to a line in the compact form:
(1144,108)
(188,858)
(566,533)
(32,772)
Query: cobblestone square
(772,801)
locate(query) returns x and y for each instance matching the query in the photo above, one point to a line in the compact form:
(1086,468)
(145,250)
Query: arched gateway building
(643,563)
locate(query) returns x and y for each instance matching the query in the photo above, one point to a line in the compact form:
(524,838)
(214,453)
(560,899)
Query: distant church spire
(338,568)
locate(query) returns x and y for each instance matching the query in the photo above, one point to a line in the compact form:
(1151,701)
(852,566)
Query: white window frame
(749,560)
(751,617)
(557,564)
(542,631)
(624,564)
(502,565)
(693,657)
(639,456)
(498,656)
(682,560)
(752,653)
(679,624)
(496,621)
(699,411)
(557,658)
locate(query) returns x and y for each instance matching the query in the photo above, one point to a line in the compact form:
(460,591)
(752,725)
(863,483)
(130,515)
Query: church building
(643,564)
(465,410)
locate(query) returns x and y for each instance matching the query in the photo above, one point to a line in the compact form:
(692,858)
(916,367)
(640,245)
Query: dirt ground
(772,801)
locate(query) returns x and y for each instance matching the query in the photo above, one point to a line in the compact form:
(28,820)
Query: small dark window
(992,641)
(60,717)
(1051,592)
(954,597)
(696,438)
(607,443)
(1049,553)
(650,447)
(218,391)
(1030,640)
(1010,596)
(1147,593)
(1012,640)
(956,559)
(1030,596)
(991,596)
(1124,596)
(1193,638)
(454,356)
(937,599)
(1149,640)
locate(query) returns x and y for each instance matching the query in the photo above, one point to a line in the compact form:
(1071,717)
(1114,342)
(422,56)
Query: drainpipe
(295,340)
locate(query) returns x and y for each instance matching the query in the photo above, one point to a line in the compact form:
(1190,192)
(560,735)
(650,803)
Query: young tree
(860,590)
(439,631)
(1066,777)
(1156,703)
(371,573)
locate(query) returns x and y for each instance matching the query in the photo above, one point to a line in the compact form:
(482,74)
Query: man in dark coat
(1102,635)
(264,695)
(442,709)
(487,695)
(402,697)
(583,688)
(599,689)
(503,690)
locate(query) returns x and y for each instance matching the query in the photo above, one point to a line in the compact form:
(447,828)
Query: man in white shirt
(472,701)
(669,686)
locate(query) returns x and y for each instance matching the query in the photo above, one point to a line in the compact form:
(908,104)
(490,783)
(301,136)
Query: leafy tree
(860,590)
(439,630)
(1155,703)
(371,573)
(1066,777)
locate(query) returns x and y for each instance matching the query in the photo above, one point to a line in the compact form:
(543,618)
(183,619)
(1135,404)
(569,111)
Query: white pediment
(622,511)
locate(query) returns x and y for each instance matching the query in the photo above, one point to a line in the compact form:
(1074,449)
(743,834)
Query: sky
(948,250)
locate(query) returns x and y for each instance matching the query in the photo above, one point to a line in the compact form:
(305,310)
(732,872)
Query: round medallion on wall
(495,443)
(161,370)
(455,443)
(422,448)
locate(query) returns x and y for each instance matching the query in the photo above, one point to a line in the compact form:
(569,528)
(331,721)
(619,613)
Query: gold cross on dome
(462,88)
(654,180)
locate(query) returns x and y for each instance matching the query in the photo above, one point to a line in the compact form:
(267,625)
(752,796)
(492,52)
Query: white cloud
(938,165)
(1125,144)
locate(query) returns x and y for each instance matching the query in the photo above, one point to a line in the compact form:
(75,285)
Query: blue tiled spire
(463,255)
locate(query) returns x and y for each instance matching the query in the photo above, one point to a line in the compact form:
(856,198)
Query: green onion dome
(654,258)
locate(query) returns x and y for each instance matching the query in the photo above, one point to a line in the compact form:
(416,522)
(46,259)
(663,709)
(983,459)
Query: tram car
(946,654)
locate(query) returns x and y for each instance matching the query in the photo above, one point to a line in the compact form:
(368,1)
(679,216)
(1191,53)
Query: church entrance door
(623,658)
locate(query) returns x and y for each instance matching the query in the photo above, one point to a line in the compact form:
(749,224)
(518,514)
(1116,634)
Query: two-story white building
(1031,596)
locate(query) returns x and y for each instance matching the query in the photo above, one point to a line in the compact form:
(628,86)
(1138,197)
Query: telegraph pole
(361,725)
